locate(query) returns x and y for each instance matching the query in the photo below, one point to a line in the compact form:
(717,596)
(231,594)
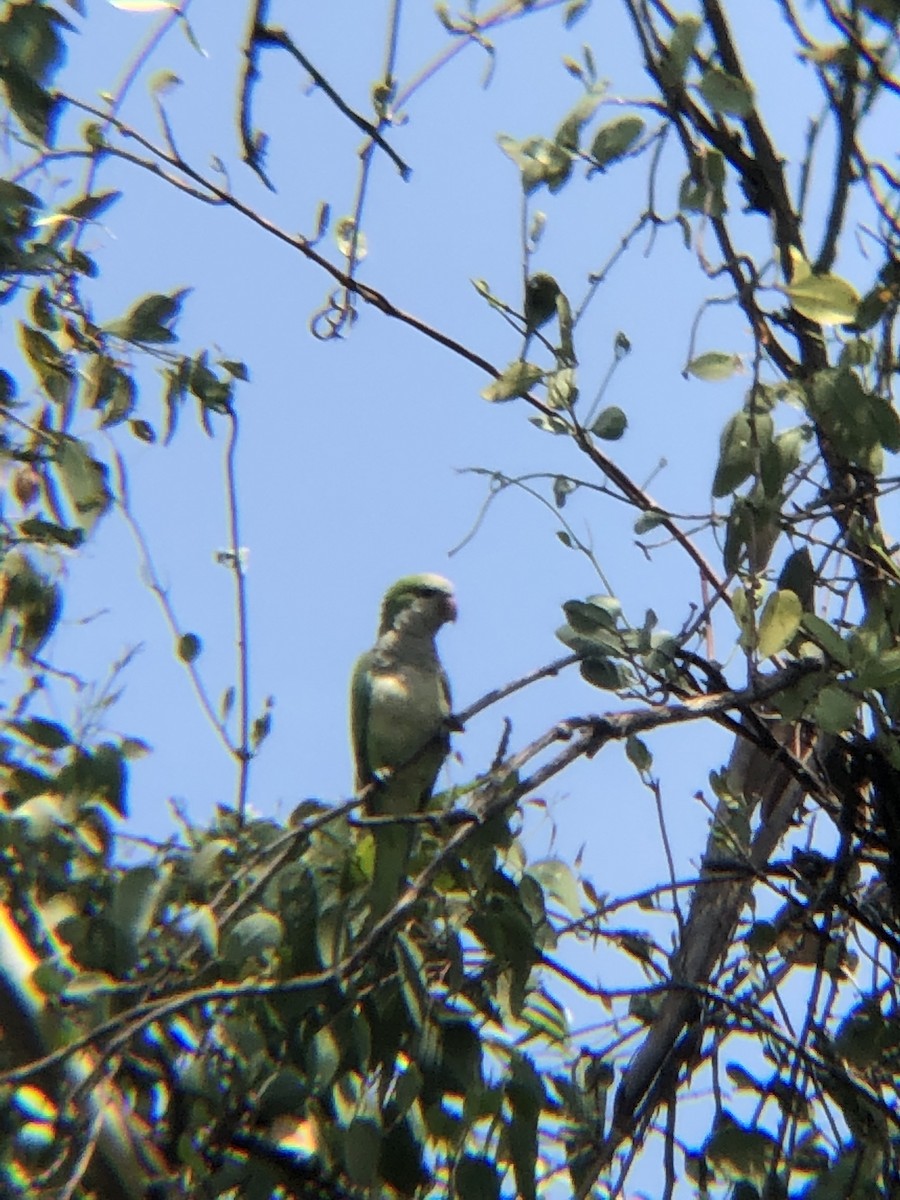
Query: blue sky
(351,450)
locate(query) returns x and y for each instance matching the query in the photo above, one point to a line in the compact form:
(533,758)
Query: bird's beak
(450,608)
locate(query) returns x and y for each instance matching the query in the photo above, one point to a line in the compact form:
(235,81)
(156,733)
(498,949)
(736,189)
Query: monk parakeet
(400,701)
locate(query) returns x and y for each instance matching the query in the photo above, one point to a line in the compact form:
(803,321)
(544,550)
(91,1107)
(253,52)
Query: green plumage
(400,702)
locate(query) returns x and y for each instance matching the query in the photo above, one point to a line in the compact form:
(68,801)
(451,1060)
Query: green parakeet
(400,701)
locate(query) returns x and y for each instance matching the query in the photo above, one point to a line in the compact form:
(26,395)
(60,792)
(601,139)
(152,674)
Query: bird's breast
(407,709)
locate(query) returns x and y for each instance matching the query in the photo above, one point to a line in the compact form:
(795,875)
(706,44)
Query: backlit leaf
(779,622)
(826,299)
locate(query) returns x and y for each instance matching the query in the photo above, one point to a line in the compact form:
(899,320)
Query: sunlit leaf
(614,139)
(715,365)
(253,936)
(350,241)
(826,299)
(84,481)
(680,49)
(779,622)
(558,880)
(164,82)
(725,93)
(518,378)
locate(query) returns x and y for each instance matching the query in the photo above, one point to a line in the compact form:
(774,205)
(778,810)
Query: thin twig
(157,588)
(243,752)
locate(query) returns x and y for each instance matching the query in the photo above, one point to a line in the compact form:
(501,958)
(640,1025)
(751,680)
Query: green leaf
(860,424)
(253,937)
(161,83)
(648,520)
(51,977)
(89,984)
(323,1057)
(605,674)
(550,424)
(575,9)
(725,93)
(90,207)
(610,425)
(614,140)
(142,430)
(101,774)
(36,108)
(880,672)
(38,530)
(518,378)
(31,40)
(779,622)
(595,613)
(282,1093)
(825,299)
(540,161)
(798,575)
(237,370)
(43,310)
(828,638)
(119,401)
(150,320)
(134,748)
(545,1016)
(568,135)
(702,189)
(476,1178)
(715,365)
(205,864)
(681,46)
(32,604)
(350,240)
(562,390)
(52,367)
(541,291)
(363,1151)
(176,378)
(84,481)
(558,880)
(15,201)
(189,647)
(401,1165)
(780,458)
(525,1093)
(866,1036)
(48,734)
(137,896)
(638,754)
(7,389)
(212,392)
(835,710)
(736,455)
(740,1152)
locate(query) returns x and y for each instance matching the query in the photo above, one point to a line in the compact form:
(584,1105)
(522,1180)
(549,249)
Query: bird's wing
(360,703)
(445,684)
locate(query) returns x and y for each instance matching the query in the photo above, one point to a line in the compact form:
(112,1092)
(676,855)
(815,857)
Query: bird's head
(418,604)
